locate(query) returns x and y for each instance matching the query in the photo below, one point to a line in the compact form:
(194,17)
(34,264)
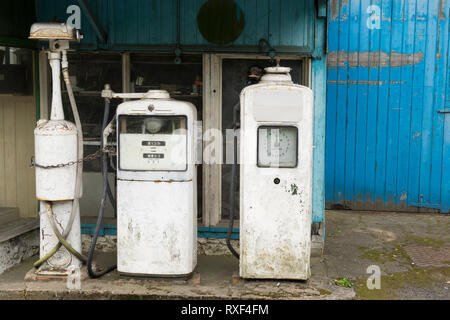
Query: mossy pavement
(354,242)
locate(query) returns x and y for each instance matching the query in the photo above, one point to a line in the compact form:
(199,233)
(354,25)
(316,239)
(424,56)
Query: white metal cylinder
(55,143)
(62,259)
(57,112)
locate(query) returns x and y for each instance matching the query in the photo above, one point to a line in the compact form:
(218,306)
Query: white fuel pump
(156,185)
(276,135)
(58,146)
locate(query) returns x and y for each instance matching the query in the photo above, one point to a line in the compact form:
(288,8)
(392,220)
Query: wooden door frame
(212,118)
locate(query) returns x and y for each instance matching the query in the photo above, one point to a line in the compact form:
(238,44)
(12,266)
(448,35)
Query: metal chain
(89,157)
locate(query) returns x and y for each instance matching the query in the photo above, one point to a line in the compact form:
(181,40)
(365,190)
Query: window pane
(16,71)
(277,146)
(89,72)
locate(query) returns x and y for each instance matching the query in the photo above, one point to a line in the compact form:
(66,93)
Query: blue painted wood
(405,106)
(145,24)
(387,146)
(341,112)
(416,134)
(319,74)
(362,103)
(202,232)
(331,106)
(352,110)
(394,109)
(383,107)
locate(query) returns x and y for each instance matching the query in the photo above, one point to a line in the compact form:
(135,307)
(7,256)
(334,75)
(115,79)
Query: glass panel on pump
(153,143)
(277,146)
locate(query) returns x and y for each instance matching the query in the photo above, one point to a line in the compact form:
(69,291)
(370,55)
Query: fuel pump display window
(153,143)
(277,146)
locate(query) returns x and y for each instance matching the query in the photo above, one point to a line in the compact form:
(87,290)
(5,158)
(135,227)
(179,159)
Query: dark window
(16,71)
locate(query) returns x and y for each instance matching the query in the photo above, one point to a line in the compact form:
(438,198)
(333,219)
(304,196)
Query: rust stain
(372,59)
(442,4)
(334,9)
(42,199)
(372,83)
(59,223)
(403,196)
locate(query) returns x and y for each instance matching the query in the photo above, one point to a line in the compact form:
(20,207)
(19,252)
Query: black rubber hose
(91,272)
(111,197)
(232,185)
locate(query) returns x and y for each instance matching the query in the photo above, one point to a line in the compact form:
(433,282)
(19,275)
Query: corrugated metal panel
(51,10)
(143,24)
(136,22)
(387,146)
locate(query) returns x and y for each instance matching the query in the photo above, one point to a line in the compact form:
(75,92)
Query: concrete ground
(355,241)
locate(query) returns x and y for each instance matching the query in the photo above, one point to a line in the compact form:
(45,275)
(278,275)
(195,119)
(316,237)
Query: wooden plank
(8,214)
(10,152)
(428,100)
(206,104)
(18,227)
(212,119)
(17,184)
(418,81)
(22,190)
(404,123)
(126,69)
(392,193)
(441,79)
(383,109)
(44,85)
(361,116)
(331,107)
(30,178)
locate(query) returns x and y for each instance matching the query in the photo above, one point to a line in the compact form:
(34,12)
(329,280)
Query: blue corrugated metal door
(388,94)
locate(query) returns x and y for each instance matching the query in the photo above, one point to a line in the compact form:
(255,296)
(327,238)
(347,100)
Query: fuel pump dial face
(277,146)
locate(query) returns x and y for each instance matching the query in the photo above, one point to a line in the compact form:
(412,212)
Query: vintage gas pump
(276,134)
(58,148)
(156,184)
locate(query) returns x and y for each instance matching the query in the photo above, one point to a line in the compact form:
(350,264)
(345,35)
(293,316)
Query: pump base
(187,276)
(49,274)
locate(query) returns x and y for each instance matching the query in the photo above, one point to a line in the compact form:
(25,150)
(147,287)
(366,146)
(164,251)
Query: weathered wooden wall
(17,179)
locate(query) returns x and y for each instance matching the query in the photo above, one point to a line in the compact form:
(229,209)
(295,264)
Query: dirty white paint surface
(62,258)
(156,209)
(156,227)
(275,219)
(55,143)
